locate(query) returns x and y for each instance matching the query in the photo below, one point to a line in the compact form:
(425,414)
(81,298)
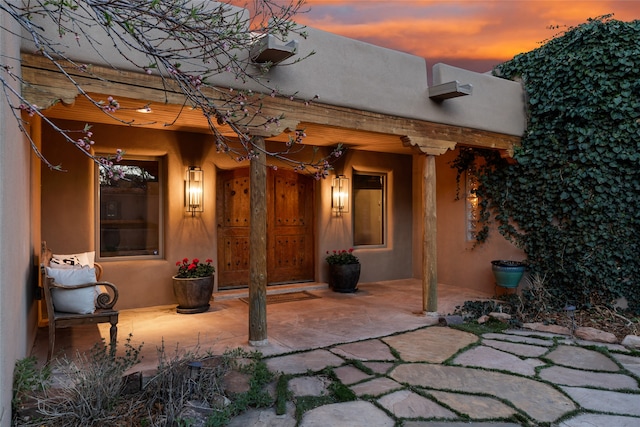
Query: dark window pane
(368,209)
(130,210)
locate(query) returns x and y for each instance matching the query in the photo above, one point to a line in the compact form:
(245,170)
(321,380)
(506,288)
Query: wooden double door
(290,239)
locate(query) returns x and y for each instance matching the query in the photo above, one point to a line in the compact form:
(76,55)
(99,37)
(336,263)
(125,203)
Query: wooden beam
(52,86)
(429,242)
(427,145)
(258,247)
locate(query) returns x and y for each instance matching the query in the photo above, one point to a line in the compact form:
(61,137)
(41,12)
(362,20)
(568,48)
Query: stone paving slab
(435,344)
(605,401)
(582,358)
(540,401)
(475,407)
(490,358)
(630,363)
(309,386)
(365,351)
(574,377)
(407,404)
(375,387)
(519,339)
(350,374)
(458,424)
(379,367)
(612,347)
(525,350)
(300,363)
(349,414)
(532,333)
(266,418)
(594,420)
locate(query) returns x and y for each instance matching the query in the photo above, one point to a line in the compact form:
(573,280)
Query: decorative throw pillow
(65,262)
(84,258)
(81,300)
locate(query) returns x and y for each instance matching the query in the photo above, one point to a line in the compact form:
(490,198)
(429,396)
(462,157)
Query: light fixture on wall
(194,190)
(340,194)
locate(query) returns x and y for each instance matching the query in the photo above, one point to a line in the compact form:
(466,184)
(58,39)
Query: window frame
(384,209)
(161,214)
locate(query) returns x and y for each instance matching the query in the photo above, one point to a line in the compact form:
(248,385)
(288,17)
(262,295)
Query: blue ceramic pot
(508,273)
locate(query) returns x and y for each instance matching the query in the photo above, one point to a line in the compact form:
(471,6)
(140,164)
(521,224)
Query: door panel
(233,228)
(290,239)
(290,230)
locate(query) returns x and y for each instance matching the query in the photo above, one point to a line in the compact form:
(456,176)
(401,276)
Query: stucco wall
(68,205)
(384,262)
(68,210)
(459,262)
(17,311)
(351,73)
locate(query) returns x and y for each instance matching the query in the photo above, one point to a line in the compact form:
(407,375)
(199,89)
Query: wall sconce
(194,190)
(340,194)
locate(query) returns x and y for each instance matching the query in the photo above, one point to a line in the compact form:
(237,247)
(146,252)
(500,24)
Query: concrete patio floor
(375,310)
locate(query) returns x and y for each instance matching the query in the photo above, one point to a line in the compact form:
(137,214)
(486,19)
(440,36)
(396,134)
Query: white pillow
(65,262)
(82,300)
(84,258)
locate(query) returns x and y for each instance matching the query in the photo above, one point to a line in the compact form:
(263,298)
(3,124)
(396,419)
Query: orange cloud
(481,30)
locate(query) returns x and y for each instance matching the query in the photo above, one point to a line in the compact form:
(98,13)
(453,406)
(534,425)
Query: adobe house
(402,218)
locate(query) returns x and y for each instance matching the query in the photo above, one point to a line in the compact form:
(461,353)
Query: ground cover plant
(100,388)
(569,198)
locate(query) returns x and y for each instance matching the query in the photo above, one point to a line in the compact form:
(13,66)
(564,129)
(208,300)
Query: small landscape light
(570,310)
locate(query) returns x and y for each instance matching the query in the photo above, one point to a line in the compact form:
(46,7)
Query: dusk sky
(472,34)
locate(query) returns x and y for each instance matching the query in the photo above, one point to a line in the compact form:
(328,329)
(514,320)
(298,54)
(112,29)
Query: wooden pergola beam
(53,86)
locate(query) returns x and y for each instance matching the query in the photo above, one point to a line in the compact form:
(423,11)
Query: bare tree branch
(185,42)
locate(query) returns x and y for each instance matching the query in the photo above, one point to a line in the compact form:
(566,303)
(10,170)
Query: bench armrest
(104,300)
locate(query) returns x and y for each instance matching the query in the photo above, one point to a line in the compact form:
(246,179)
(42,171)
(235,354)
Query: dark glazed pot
(193,294)
(344,277)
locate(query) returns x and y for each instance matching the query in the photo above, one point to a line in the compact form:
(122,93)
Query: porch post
(430,246)
(258,246)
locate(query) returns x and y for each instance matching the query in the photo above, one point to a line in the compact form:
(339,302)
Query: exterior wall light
(340,194)
(194,190)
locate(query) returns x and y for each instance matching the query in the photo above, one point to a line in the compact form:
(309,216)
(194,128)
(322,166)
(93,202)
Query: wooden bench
(104,303)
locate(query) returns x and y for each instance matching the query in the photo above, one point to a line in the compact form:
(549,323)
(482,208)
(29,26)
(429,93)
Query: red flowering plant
(195,268)
(341,257)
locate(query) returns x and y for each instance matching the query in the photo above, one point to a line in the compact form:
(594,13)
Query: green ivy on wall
(571,199)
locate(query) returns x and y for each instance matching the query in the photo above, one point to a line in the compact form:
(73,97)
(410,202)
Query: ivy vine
(571,199)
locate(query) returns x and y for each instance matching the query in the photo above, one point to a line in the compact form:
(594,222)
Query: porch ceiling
(175,118)
(325,125)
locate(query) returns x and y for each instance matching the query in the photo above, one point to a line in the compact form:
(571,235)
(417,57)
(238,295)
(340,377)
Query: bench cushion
(81,300)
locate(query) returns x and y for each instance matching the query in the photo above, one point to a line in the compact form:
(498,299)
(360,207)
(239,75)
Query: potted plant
(508,273)
(344,270)
(193,285)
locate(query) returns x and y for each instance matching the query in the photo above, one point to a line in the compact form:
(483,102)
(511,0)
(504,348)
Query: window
(129,214)
(368,209)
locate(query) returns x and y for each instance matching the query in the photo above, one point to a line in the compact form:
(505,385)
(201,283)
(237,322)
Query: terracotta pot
(344,277)
(193,294)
